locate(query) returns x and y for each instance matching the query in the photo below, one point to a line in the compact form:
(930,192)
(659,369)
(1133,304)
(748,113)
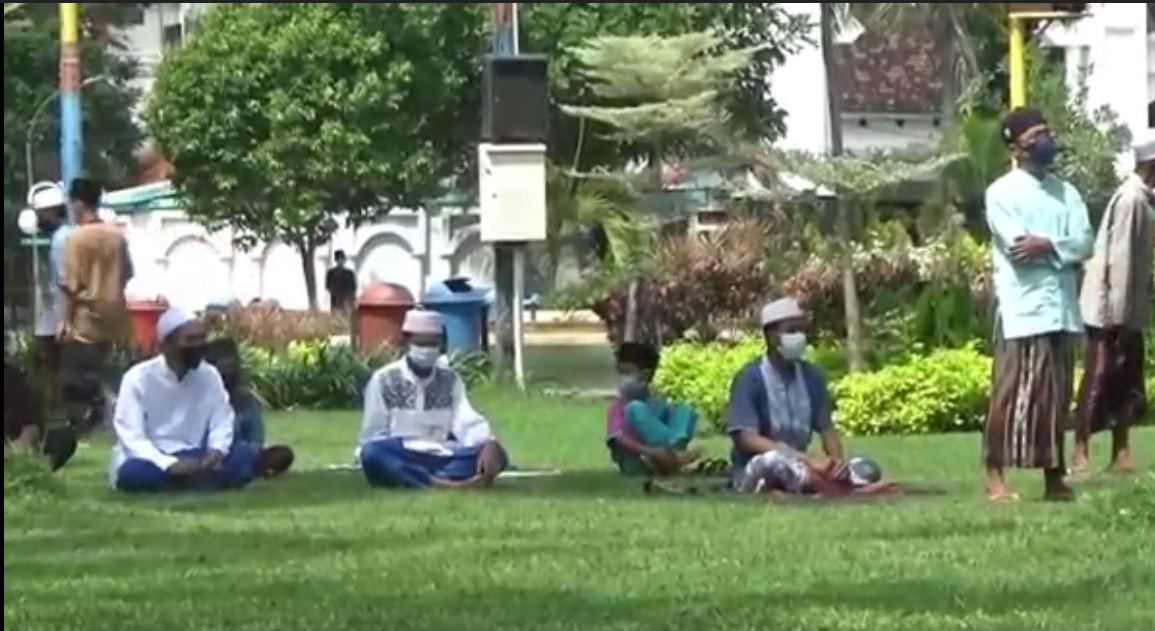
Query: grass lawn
(318,551)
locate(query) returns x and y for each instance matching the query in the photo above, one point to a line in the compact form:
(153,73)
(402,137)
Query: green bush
(329,376)
(944,391)
(313,374)
(700,374)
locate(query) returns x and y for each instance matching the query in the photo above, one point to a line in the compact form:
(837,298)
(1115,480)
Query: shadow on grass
(891,605)
(321,488)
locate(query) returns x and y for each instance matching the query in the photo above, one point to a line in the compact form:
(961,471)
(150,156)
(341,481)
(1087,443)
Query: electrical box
(512,195)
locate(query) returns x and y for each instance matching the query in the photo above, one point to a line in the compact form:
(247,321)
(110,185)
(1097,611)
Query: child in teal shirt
(645,434)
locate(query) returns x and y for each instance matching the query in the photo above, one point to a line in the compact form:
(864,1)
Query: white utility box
(512,192)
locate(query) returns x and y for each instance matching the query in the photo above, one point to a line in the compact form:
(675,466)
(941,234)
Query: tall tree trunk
(307,250)
(844,225)
(947,51)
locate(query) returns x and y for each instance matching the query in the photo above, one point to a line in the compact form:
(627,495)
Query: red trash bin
(144,316)
(381,310)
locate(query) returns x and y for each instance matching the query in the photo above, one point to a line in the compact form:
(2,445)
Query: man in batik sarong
(1041,235)
(1116,305)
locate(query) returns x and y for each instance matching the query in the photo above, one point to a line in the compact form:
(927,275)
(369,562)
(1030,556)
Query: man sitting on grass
(24,427)
(646,435)
(778,402)
(173,421)
(272,461)
(419,429)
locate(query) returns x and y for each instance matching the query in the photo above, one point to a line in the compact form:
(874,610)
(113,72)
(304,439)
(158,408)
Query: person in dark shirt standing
(341,283)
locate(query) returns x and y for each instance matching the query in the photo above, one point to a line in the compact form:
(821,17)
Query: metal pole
(1017,61)
(505,256)
(71,131)
(519,257)
(30,178)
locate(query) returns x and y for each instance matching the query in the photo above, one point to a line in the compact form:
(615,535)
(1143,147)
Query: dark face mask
(192,356)
(47,225)
(231,381)
(1043,152)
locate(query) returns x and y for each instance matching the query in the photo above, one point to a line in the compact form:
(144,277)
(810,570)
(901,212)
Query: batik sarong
(1112,392)
(1030,407)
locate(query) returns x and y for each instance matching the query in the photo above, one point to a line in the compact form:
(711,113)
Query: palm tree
(599,209)
(951,27)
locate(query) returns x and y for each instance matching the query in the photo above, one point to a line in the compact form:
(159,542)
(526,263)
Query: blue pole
(71,133)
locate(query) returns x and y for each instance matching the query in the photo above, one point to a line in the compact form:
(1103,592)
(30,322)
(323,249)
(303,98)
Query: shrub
(328,376)
(694,283)
(270,327)
(700,374)
(944,391)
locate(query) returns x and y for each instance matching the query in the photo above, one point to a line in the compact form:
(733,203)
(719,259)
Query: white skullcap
(418,322)
(172,320)
(1144,147)
(46,195)
(782,309)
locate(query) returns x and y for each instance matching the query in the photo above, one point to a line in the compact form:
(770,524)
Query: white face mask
(424,356)
(792,346)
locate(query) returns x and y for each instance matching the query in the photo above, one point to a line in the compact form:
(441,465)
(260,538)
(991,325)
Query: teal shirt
(1038,297)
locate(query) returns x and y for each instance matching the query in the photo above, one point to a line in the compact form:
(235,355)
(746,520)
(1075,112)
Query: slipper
(1005,497)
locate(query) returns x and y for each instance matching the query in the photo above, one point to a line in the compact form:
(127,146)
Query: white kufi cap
(419,322)
(46,195)
(779,310)
(172,320)
(1144,147)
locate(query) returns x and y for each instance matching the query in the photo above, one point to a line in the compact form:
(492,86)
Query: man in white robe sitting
(173,420)
(419,429)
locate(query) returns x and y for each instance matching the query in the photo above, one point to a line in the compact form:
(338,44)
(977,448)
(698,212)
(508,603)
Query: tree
(856,183)
(665,91)
(556,29)
(31,63)
(277,118)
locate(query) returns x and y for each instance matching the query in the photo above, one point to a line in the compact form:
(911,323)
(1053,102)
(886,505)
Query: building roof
(895,73)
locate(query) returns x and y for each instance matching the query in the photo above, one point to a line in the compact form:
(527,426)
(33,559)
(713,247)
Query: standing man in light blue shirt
(1041,235)
(51,205)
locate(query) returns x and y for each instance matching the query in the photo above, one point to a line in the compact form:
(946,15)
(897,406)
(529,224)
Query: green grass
(321,552)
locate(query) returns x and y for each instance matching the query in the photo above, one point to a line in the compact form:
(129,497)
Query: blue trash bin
(463,310)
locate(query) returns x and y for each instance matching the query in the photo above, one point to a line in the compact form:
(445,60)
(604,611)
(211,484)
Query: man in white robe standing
(173,420)
(1116,303)
(419,429)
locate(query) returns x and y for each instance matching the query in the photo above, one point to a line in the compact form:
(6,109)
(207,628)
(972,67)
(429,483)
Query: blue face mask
(1043,152)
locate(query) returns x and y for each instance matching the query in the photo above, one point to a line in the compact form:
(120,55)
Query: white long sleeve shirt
(158,414)
(430,414)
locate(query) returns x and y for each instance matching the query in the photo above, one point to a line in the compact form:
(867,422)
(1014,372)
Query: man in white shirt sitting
(173,420)
(419,429)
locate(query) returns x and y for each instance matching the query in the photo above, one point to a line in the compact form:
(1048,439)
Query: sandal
(1004,497)
(712,467)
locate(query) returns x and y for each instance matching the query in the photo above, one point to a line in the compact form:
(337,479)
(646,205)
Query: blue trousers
(237,471)
(388,464)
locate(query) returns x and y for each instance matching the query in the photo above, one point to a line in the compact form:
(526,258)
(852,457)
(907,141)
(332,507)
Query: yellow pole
(1017,61)
(71,134)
